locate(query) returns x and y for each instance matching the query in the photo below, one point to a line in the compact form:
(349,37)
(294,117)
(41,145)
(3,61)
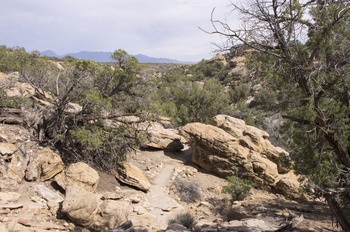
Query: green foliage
(238,188)
(187,101)
(12,102)
(99,89)
(239,92)
(185,219)
(266,99)
(306,80)
(204,70)
(101,147)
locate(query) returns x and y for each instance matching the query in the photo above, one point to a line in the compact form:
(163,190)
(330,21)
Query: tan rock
(20,90)
(288,185)
(162,138)
(44,164)
(47,194)
(80,205)
(6,197)
(132,175)
(238,149)
(13,133)
(254,139)
(8,184)
(73,108)
(79,174)
(218,57)
(15,169)
(7,149)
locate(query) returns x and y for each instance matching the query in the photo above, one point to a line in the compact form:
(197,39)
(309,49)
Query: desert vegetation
(294,84)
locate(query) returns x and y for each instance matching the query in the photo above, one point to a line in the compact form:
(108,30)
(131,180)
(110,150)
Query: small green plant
(187,191)
(185,219)
(238,188)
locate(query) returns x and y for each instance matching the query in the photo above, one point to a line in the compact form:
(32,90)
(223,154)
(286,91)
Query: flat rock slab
(11,206)
(48,194)
(40,224)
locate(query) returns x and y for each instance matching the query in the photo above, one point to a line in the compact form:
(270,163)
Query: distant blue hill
(106,57)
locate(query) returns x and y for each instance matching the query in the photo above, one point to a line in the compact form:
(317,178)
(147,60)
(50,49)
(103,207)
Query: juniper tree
(301,47)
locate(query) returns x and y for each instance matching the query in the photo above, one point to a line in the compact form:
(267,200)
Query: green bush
(12,102)
(239,92)
(185,219)
(238,188)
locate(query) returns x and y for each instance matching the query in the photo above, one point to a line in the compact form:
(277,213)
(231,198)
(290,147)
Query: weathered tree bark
(337,211)
(291,225)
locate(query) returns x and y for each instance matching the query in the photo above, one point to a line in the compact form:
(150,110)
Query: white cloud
(155,27)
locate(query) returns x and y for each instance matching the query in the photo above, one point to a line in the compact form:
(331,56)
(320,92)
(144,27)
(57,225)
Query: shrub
(185,219)
(187,191)
(12,102)
(238,188)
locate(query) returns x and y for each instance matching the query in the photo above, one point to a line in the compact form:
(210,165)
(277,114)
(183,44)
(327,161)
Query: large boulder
(256,140)
(80,206)
(132,175)
(44,164)
(162,138)
(79,174)
(233,148)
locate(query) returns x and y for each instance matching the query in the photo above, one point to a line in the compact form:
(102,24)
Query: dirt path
(158,201)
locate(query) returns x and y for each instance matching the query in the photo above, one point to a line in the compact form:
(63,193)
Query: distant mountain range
(106,57)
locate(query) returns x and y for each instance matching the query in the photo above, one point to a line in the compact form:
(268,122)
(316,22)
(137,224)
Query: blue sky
(158,28)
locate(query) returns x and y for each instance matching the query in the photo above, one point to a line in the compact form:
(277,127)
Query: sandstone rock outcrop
(254,139)
(79,174)
(233,148)
(132,175)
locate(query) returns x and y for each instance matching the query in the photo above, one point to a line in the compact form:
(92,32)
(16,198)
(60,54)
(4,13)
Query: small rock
(206,204)
(112,196)
(168,209)
(136,199)
(140,210)
(7,149)
(218,220)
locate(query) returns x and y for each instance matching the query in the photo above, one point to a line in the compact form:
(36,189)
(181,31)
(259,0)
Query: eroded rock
(233,148)
(80,205)
(132,175)
(79,174)
(44,165)
(162,138)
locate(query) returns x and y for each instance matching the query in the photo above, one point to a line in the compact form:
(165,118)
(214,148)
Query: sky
(157,28)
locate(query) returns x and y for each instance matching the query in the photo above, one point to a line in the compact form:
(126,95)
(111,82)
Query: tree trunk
(337,211)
